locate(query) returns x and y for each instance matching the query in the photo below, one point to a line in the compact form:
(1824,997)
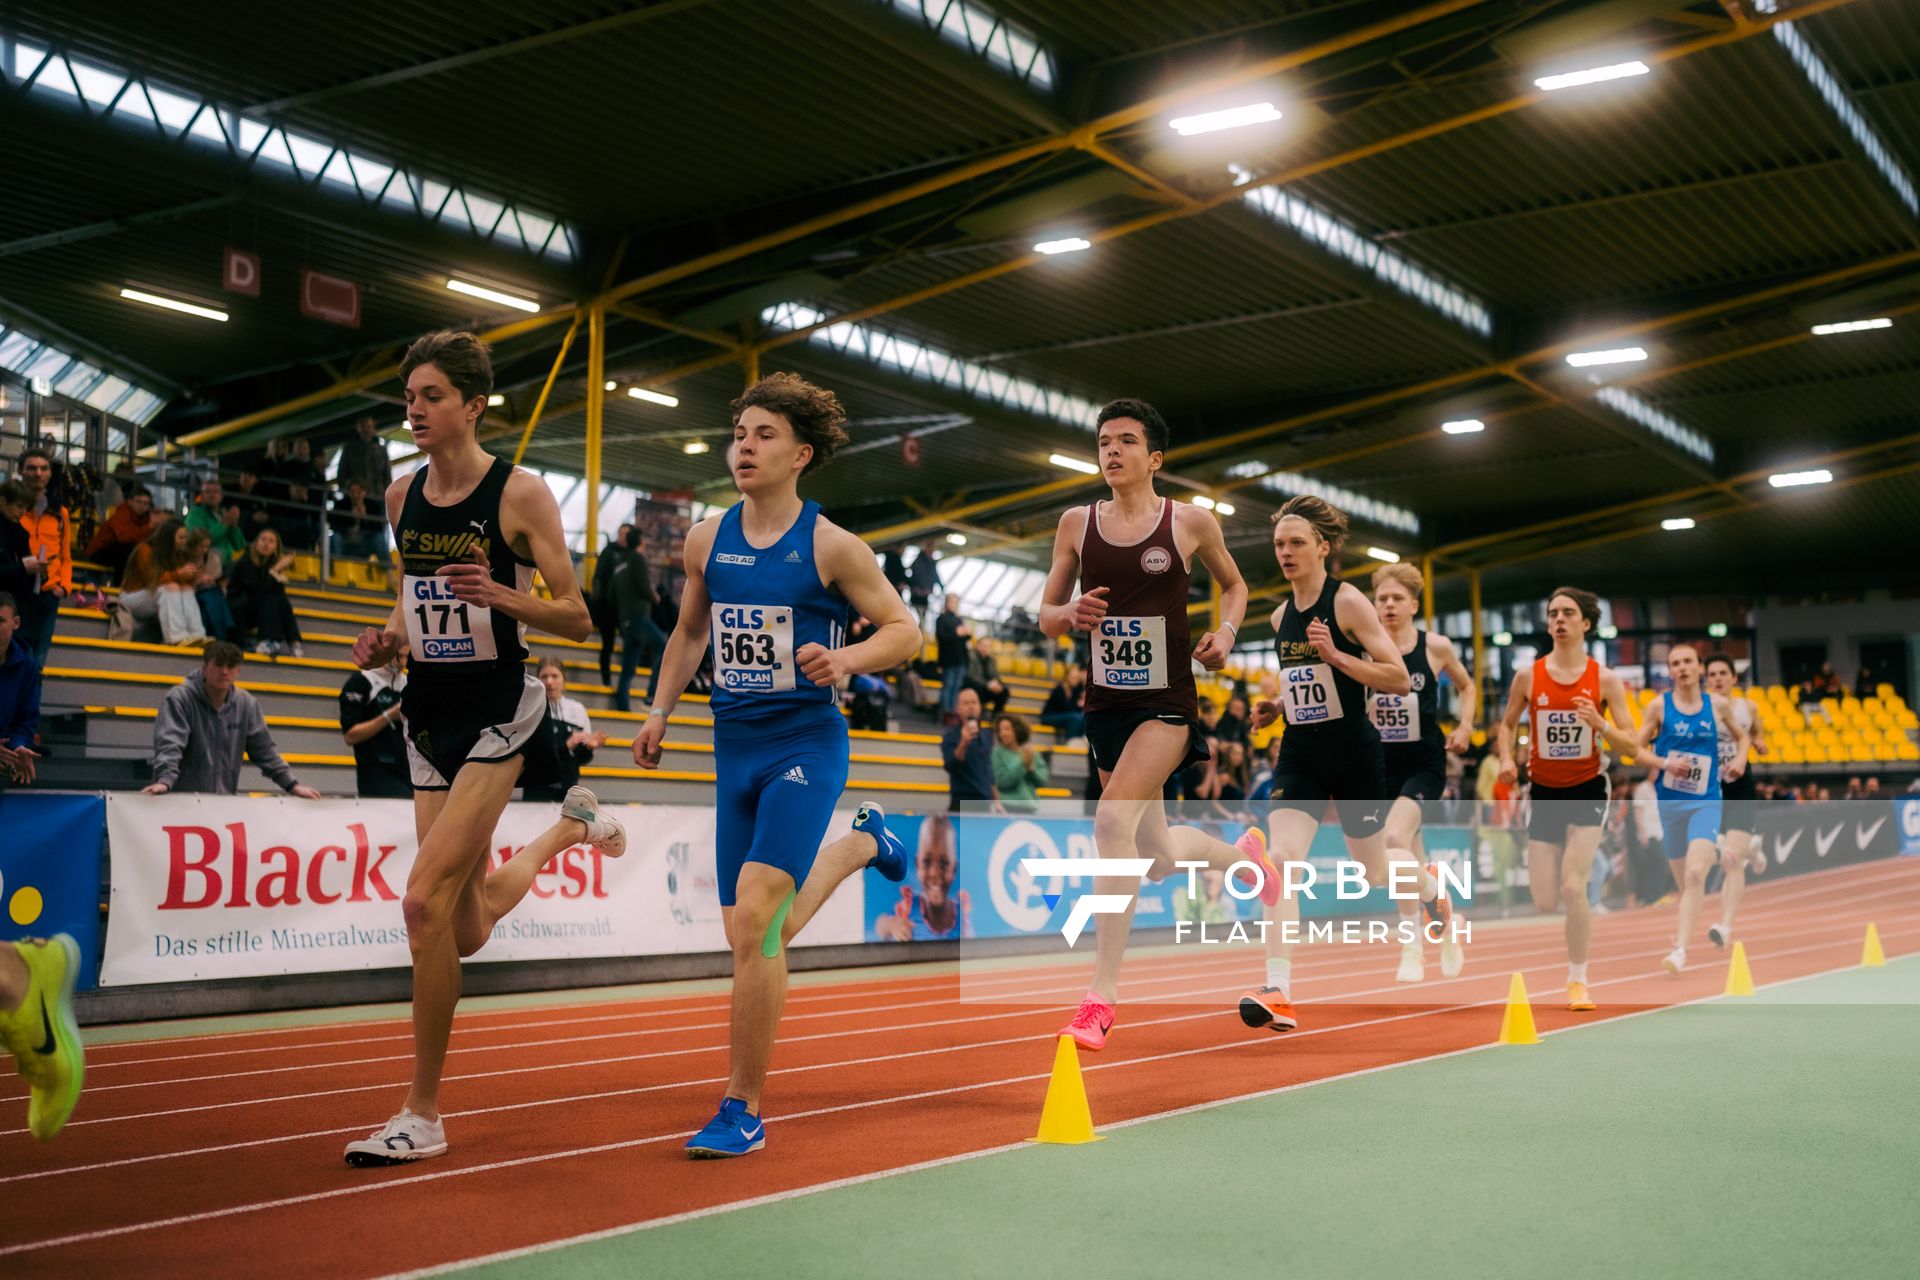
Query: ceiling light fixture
(1619,355)
(1592,75)
(1073,464)
(957,539)
(1792,479)
(1231,118)
(493,295)
(694,446)
(1071,244)
(1677,523)
(1852,326)
(1463,426)
(495,401)
(174,304)
(654,397)
(1381,553)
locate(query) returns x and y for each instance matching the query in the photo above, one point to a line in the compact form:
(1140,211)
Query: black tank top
(1409,724)
(448,639)
(1143,648)
(1317,699)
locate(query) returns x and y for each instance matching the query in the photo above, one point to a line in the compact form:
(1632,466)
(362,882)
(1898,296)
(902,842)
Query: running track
(222,1152)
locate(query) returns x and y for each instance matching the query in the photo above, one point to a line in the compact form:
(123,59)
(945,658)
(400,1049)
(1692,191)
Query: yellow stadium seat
(1816,754)
(1885,692)
(1862,754)
(1908,751)
(1906,720)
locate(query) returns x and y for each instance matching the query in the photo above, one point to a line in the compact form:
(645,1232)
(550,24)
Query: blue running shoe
(735,1131)
(891,861)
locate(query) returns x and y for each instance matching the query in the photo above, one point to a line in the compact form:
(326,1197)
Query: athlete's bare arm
(530,522)
(1445,660)
(1211,548)
(1503,738)
(1723,713)
(1266,710)
(377,646)
(848,566)
(685,647)
(1631,743)
(1383,668)
(1060,610)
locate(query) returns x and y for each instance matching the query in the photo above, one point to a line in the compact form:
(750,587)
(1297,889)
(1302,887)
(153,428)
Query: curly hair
(1143,413)
(813,412)
(465,359)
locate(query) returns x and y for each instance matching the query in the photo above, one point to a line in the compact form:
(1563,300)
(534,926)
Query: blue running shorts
(778,782)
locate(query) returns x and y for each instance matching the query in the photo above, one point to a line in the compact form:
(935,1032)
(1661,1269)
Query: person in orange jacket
(125,528)
(50,559)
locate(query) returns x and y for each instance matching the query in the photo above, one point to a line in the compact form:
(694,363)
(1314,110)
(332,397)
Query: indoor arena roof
(854,189)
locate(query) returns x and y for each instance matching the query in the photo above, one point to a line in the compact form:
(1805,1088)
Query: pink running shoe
(1090,1025)
(1253,843)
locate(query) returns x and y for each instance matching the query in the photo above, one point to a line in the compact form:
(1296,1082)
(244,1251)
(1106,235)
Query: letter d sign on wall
(240,272)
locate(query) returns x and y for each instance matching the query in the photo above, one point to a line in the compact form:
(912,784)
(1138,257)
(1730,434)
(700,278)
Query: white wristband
(654,711)
(1229,626)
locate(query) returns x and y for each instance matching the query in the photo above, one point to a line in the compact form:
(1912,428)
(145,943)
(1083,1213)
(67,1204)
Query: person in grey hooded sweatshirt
(207,725)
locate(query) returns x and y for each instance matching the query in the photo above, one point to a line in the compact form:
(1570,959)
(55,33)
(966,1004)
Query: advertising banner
(1808,837)
(208,887)
(1906,816)
(50,871)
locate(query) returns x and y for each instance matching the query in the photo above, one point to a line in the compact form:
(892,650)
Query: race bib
(1396,716)
(1562,735)
(1307,695)
(753,648)
(1130,653)
(441,628)
(1689,772)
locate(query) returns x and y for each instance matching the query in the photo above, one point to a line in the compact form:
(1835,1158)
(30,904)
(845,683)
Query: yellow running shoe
(1577,998)
(43,1036)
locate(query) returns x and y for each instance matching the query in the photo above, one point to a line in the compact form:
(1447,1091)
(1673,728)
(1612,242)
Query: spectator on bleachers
(1025,631)
(1265,766)
(894,567)
(950,636)
(1233,724)
(210,587)
(983,677)
(257,594)
(1871,790)
(1065,712)
(204,514)
(359,523)
(1018,769)
(306,485)
(207,726)
(923,579)
(574,739)
(252,500)
(968,757)
(641,640)
(867,697)
(1824,684)
(1856,789)
(17,564)
(364,458)
(1864,685)
(599,594)
(129,525)
(50,539)
(371,722)
(158,586)
(223,528)
(19,699)
(1234,778)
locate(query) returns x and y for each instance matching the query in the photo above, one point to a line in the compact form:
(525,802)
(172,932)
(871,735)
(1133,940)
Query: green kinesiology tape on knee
(770,945)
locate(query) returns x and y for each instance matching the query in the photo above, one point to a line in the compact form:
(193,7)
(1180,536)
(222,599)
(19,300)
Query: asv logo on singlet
(1130,653)
(753,648)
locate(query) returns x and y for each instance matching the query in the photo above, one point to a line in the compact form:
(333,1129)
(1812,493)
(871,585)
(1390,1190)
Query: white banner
(242,887)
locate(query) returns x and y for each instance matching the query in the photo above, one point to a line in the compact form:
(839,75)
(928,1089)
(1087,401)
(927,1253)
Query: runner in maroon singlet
(1133,556)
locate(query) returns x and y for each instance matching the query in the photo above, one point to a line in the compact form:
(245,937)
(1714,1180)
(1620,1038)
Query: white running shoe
(401,1140)
(1413,966)
(603,833)
(1719,935)
(1453,956)
(1676,960)
(1756,858)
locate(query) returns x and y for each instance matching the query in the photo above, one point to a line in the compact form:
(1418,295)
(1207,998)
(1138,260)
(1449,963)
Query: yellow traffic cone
(1871,956)
(1065,1119)
(1739,978)
(1516,1026)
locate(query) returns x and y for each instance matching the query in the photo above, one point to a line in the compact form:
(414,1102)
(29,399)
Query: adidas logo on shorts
(794,775)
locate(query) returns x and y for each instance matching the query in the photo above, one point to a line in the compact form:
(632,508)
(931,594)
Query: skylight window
(1631,406)
(934,365)
(1396,269)
(1292,483)
(985,34)
(74,378)
(103,91)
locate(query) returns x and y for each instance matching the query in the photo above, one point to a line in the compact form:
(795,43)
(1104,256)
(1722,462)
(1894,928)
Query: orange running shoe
(1268,1007)
(1253,843)
(1577,998)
